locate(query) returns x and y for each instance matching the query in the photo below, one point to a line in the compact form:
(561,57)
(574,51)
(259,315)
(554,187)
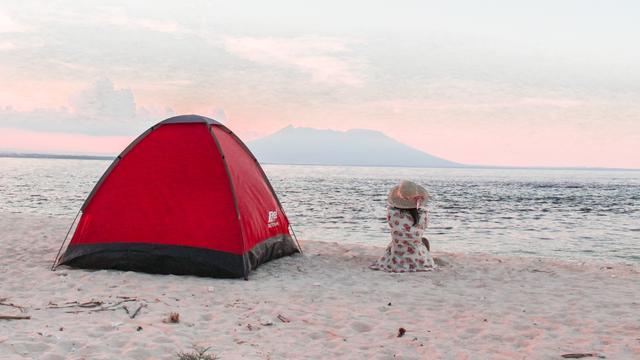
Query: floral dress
(406,252)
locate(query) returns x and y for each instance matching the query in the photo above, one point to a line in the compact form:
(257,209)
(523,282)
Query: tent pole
(296,238)
(55,261)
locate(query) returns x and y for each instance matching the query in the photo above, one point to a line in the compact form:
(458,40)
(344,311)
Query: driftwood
(93,306)
(543,271)
(135,313)
(3,303)
(580,355)
(110,307)
(14,317)
(70,304)
(283,319)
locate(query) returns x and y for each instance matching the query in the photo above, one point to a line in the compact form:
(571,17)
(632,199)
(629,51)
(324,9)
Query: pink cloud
(116,17)
(7,45)
(9,25)
(322,58)
(547,130)
(561,144)
(508,132)
(50,142)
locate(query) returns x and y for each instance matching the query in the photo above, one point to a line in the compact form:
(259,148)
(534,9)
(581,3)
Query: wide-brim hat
(407,195)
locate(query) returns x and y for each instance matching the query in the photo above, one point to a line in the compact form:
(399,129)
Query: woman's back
(404,225)
(406,252)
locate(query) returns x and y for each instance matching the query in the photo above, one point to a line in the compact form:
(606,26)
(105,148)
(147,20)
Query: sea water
(568,214)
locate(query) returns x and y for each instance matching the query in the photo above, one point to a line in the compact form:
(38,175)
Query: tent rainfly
(186,197)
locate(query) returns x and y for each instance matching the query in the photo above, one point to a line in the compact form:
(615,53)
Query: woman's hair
(415,214)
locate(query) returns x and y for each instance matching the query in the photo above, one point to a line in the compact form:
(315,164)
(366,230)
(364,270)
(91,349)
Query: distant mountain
(356,147)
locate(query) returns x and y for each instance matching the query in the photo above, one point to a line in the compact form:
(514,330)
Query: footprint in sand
(360,326)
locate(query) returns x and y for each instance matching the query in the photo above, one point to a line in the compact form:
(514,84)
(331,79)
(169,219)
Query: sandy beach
(323,304)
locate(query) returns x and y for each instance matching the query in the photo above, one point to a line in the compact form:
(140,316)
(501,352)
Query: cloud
(103,100)
(321,58)
(99,109)
(55,142)
(98,16)
(220,115)
(116,17)
(8,25)
(7,45)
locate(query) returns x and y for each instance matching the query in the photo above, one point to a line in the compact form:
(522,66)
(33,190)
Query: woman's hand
(425,241)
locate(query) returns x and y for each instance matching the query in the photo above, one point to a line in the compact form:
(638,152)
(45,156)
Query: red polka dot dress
(406,252)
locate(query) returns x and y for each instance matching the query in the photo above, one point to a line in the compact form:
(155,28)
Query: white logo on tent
(273,219)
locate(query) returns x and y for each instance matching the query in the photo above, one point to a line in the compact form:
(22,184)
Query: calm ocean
(569,214)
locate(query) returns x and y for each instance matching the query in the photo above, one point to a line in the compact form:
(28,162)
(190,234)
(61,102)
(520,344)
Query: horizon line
(54,156)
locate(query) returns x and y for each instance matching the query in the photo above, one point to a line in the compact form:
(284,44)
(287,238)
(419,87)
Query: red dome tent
(186,197)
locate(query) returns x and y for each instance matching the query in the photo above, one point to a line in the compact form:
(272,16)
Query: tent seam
(245,261)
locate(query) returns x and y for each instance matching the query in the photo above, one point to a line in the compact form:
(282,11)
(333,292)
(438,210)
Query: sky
(535,83)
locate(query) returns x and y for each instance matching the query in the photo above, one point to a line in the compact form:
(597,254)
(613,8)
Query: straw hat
(407,195)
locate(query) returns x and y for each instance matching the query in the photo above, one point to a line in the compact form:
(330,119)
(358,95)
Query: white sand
(479,307)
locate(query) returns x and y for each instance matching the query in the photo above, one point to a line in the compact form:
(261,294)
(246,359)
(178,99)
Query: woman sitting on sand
(408,250)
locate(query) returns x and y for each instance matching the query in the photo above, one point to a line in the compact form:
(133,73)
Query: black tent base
(176,260)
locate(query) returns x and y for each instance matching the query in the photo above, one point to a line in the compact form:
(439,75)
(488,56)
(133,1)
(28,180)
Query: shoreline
(326,303)
(67,219)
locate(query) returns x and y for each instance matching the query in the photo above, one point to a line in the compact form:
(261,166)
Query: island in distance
(357,147)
